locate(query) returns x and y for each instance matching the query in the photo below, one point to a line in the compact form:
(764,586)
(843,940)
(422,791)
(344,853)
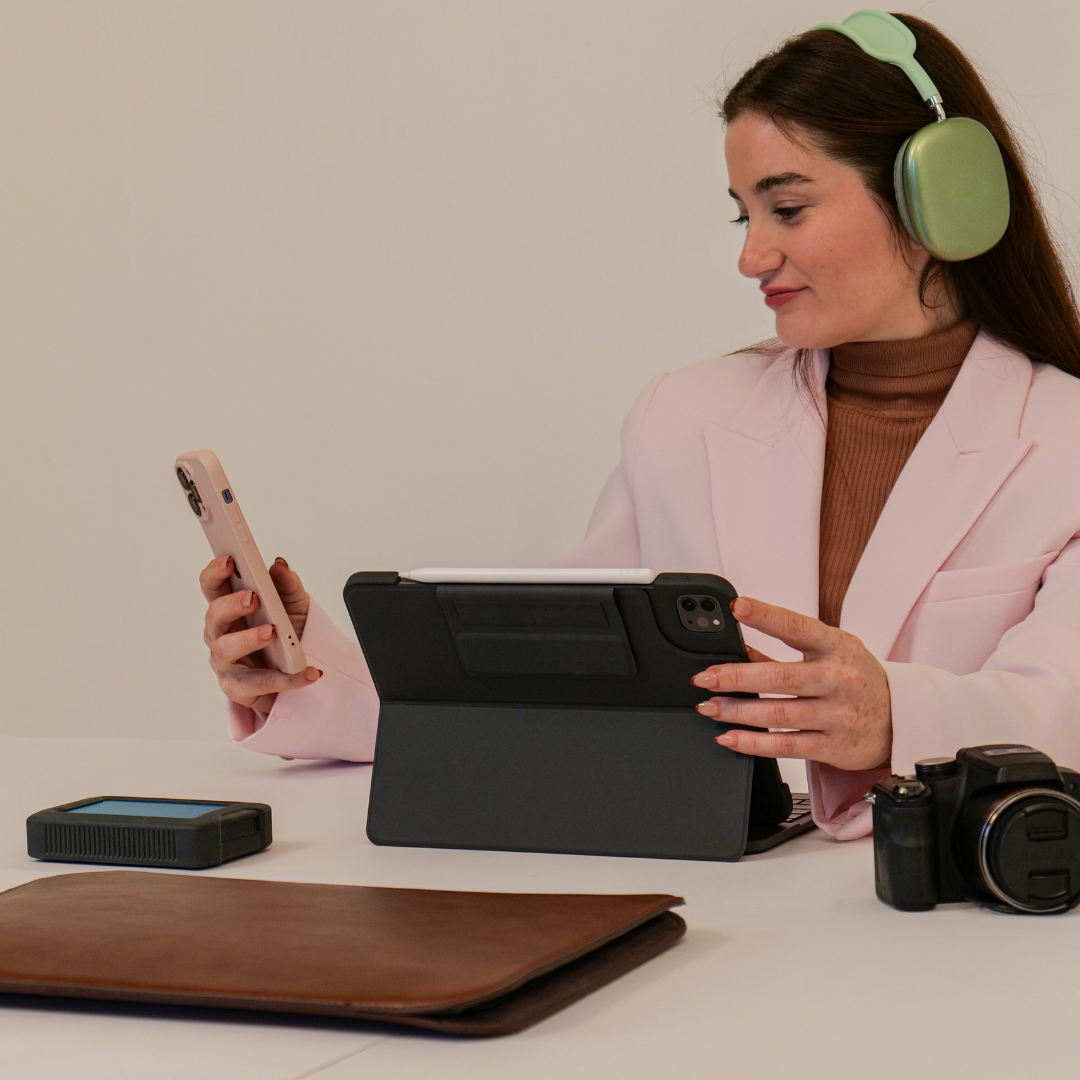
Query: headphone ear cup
(952,190)
(901,191)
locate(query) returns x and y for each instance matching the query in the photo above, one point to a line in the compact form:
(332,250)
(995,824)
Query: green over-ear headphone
(949,178)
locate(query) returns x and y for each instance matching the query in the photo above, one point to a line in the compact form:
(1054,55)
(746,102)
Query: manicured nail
(313,674)
(279,559)
(741,607)
(727,739)
(705,679)
(266,631)
(223,563)
(708,708)
(251,599)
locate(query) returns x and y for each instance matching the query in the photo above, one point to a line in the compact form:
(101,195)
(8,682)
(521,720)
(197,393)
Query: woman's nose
(759,256)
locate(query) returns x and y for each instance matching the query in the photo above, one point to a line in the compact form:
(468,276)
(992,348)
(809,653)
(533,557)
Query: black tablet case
(554,718)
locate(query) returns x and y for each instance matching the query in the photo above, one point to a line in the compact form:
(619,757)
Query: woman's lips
(775,298)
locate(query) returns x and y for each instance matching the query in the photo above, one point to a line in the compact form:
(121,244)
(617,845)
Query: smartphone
(214,503)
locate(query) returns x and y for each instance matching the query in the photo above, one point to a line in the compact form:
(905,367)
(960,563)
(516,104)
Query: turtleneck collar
(910,377)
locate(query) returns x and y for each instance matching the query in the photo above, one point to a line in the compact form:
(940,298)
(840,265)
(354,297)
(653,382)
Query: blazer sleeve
(1028,691)
(336,717)
(612,540)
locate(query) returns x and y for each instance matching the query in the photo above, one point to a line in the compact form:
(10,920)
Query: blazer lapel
(765,470)
(968,451)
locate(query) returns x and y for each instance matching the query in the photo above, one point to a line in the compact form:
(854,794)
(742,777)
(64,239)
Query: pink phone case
(211,497)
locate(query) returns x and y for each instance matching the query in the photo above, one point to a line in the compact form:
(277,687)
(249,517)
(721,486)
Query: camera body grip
(905,844)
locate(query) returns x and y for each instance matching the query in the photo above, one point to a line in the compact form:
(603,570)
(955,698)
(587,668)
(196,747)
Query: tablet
(557,716)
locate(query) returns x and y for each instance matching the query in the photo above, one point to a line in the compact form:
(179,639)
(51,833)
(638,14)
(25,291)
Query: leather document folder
(458,962)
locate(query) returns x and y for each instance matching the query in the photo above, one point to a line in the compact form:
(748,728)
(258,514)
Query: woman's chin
(796,333)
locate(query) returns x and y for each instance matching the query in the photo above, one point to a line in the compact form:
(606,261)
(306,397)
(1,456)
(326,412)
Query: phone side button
(245,536)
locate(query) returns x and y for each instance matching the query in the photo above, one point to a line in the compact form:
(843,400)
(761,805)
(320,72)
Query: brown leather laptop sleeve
(459,962)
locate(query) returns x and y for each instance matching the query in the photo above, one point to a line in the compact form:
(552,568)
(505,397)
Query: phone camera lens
(688,603)
(183,479)
(707,604)
(196,509)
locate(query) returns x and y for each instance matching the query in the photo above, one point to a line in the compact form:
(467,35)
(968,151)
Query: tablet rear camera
(701,614)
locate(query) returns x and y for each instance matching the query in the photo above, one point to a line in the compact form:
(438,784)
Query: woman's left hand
(841,708)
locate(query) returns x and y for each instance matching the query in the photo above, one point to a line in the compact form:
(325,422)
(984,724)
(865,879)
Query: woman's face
(824,251)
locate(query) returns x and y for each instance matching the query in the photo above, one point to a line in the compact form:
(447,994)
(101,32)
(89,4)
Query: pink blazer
(968,591)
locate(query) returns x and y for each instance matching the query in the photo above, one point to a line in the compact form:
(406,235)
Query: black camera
(996,824)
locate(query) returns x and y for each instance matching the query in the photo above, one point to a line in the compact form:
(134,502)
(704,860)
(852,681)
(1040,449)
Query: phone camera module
(701,614)
(184,482)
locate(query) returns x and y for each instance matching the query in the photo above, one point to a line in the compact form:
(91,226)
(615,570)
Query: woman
(896,478)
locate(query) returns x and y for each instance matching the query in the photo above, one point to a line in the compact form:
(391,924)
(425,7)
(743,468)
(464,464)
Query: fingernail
(266,631)
(313,674)
(708,708)
(728,739)
(706,679)
(741,607)
(223,563)
(279,559)
(251,599)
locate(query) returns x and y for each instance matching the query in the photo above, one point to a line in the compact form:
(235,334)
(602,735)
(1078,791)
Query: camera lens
(194,504)
(688,603)
(183,479)
(195,492)
(1029,850)
(707,604)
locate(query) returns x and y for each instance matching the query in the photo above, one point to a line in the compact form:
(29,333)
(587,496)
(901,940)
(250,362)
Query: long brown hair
(859,111)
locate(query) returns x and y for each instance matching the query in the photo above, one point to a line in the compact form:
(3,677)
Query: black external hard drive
(188,834)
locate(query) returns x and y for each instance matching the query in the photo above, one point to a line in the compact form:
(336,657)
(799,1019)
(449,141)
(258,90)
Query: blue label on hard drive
(147,808)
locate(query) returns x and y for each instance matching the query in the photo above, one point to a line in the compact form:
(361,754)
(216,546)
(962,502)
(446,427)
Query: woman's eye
(742,219)
(787,213)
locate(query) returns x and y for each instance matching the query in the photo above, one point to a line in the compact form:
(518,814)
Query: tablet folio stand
(555,718)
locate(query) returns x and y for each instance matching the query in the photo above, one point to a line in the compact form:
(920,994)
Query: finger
(806,714)
(246,686)
(810,636)
(288,584)
(227,649)
(757,657)
(214,580)
(810,745)
(227,610)
(767,677)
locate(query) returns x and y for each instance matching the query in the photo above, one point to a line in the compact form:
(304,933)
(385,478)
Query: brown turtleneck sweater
(881,396)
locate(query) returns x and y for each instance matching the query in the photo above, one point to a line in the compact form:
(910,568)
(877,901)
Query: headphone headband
(886,38)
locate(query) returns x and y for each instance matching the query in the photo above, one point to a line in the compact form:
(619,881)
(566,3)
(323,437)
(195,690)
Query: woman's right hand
(241,675)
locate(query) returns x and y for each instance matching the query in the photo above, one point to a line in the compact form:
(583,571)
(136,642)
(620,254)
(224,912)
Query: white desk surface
(790,967)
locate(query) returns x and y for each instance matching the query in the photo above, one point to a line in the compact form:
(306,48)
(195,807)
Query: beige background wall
(403,264)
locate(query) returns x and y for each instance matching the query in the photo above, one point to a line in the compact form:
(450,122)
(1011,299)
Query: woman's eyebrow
(767,183)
